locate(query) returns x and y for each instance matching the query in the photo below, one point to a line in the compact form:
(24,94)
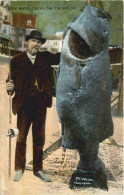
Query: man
(31,82)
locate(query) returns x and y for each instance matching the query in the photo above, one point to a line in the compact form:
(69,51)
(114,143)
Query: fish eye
(103,14)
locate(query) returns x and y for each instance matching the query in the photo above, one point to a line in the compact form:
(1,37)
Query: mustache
(35,47)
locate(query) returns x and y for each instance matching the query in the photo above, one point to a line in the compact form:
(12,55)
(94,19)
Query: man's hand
(10,87)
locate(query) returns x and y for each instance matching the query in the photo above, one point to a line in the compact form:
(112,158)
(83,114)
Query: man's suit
(21,70)
(31,99)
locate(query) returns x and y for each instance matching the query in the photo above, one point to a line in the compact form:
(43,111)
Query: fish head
(91,29)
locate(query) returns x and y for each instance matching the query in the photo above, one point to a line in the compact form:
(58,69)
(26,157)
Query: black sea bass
(84,80)
(83,97)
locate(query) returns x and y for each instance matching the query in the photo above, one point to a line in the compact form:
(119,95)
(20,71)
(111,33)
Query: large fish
(83,96)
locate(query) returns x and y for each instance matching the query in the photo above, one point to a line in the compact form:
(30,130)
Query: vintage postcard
(41,29)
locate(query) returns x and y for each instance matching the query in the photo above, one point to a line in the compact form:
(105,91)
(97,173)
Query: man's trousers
(32,112)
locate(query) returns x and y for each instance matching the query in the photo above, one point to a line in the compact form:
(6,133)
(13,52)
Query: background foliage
(54,16)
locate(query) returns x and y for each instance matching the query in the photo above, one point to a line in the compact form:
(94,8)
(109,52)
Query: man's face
(33,46)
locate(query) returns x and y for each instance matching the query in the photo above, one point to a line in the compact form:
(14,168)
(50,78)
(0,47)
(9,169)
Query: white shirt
(31,57)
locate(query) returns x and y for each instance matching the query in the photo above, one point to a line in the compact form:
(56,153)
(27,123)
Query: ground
(110,152)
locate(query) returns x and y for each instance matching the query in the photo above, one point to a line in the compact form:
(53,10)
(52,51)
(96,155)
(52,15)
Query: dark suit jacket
(21,70)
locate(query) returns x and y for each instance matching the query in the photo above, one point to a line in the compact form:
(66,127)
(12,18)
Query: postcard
(34,41)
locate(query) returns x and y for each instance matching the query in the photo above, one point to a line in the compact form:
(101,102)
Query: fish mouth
(78,46)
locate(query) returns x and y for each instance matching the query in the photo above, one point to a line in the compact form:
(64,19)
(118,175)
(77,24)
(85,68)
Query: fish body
(83,95)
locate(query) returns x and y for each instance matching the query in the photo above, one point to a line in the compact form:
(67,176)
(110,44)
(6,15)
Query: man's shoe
(18,175)
(42,176)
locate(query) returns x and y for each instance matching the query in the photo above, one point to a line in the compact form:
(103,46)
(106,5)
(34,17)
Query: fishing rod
(12,132)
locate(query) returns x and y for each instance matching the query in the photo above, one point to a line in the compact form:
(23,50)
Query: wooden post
(96,3)
(120,101)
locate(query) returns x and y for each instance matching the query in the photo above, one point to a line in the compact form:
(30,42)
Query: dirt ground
(110,152)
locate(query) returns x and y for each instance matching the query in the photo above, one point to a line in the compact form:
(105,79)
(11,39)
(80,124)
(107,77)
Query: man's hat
(35,34)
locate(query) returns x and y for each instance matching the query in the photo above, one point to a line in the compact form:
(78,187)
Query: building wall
(23,24)
(24,20)
(52,46)
(5,30)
